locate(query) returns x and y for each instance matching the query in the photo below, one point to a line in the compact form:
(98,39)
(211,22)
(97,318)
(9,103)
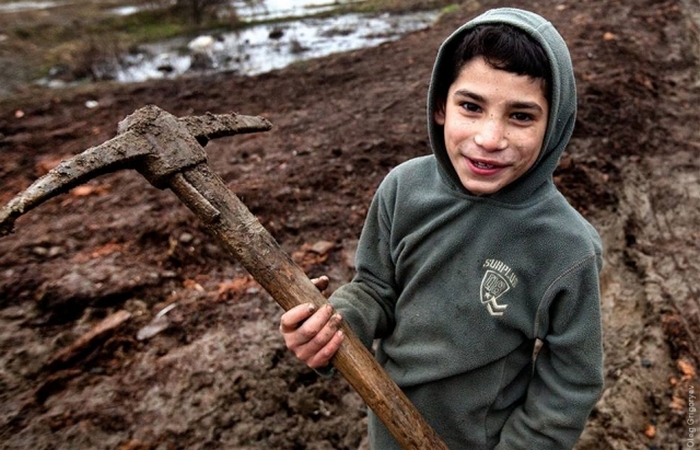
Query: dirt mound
(87,362)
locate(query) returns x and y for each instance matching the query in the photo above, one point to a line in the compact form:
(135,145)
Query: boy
(470,256)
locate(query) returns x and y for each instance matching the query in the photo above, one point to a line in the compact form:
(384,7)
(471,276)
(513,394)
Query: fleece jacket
(456,289)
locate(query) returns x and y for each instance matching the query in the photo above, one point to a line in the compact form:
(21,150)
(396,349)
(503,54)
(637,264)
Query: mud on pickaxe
(168,151)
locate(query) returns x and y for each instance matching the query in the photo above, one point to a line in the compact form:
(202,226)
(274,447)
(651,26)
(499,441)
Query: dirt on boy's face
(494,125)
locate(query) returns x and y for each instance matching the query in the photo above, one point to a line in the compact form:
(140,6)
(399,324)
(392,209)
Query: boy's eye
(522,117)
(471,107)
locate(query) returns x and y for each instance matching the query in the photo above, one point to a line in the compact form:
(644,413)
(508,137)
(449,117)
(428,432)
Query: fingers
(321,282)
(323,357)
(314,338)
(313,333)
(292,319)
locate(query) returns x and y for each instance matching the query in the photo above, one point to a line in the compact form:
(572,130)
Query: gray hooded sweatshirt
(457,288)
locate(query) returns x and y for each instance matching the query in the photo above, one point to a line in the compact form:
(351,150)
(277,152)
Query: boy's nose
(491,136)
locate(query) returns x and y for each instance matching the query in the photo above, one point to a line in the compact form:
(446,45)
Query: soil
(123,325)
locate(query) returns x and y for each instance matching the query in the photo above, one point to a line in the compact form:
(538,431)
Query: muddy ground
(85,363)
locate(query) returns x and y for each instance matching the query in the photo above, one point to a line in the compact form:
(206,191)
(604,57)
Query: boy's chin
(483,187)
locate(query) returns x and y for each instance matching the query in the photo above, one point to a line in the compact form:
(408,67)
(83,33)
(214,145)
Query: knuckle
(327,353)
(301,354)
(309,331)
(308,334)
(318,361)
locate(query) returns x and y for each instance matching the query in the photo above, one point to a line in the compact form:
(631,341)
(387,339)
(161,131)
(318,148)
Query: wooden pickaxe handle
(242,235)
(161,140)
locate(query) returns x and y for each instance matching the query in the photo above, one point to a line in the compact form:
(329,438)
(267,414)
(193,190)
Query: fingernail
(312,307)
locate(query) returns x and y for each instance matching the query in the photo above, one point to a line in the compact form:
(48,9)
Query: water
(125,10)
(25,6)
(261,10)
(264,48)
(297,36)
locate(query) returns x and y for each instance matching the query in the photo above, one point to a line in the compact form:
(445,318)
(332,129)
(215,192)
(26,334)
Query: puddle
(263,10)
(264,48)
(25,6)
(258,48)
(125,10)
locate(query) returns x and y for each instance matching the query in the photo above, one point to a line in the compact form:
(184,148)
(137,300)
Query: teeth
(483,165)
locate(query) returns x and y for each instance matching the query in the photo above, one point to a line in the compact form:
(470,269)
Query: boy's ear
(439,114)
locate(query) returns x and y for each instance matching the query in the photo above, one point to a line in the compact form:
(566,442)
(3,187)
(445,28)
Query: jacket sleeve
(367,302)
(567,377)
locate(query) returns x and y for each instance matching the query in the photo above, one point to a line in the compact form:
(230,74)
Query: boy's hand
(312,335)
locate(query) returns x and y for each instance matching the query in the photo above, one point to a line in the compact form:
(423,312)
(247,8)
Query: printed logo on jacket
(498,279)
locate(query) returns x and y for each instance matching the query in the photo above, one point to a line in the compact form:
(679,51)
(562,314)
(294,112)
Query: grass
(66,35)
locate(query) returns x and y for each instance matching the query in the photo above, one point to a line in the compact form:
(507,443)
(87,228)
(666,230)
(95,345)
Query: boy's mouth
(482,165)
(484,168)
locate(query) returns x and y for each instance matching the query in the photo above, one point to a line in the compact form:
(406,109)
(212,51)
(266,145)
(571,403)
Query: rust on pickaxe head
(151,141)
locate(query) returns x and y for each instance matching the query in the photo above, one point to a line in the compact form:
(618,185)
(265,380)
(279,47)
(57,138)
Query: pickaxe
(168,151)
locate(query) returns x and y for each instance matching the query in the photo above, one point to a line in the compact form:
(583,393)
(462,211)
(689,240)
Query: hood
(562,108)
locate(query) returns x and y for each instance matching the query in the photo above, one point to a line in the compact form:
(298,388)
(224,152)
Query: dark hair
(503,47)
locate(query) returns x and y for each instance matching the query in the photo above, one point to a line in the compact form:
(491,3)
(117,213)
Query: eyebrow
(516,104)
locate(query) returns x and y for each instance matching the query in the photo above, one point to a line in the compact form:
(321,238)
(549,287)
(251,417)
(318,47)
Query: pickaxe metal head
(151,141)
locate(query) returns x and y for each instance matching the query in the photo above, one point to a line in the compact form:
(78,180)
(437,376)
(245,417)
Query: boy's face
(494,125)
